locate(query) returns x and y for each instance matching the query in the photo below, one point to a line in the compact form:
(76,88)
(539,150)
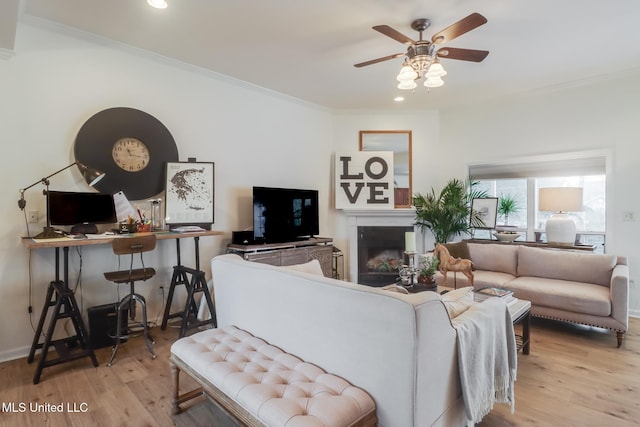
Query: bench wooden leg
(178,399)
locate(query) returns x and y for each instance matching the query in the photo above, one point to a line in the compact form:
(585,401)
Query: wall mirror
(398,141)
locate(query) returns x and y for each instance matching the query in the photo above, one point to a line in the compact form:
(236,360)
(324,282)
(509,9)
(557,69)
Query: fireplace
(376,244)
(380,254)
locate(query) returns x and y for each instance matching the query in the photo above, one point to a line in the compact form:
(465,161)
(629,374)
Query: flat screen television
(284,214)
(71,208)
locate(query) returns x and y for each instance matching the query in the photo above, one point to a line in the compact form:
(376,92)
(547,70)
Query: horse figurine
(449,263)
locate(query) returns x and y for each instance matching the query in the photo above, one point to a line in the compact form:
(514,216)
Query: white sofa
(574,286)
(401,349)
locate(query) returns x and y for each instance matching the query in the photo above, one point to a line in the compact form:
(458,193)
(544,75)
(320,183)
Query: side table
(521,315)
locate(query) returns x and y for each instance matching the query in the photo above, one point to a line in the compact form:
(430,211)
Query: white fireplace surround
(376,218)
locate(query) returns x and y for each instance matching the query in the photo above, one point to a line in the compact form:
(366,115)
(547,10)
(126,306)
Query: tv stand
(289,253)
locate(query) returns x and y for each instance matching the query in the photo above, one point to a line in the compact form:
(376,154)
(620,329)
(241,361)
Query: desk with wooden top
(62,298)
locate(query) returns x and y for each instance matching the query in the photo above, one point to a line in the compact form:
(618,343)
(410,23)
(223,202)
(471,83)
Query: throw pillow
(395,288)
(311,267)
(458,301)
(459,250)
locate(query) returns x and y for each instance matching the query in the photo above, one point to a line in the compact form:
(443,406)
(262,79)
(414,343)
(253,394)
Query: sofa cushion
(457,301)
(484,279)
(481,279)
(494,257)
(577,297)
(566,265)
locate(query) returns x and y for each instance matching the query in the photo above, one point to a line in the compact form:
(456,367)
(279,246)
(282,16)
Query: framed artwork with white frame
(487,212)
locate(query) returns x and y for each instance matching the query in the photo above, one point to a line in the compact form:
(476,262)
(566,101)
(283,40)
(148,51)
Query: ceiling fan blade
(375,61)
(459,28)
(394,34)
(462,54)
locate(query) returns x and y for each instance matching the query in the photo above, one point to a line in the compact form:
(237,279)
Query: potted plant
(448,213)
(507,205)
(428,267)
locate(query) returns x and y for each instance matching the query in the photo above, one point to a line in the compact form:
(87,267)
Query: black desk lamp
(90,175)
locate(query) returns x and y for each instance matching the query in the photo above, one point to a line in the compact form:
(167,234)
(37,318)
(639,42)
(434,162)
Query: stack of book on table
(505,294)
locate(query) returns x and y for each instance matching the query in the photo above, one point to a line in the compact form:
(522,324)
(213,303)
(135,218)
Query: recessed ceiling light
(158,4)
(398,98)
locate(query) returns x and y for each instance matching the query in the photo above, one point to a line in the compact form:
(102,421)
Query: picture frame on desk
(190,193)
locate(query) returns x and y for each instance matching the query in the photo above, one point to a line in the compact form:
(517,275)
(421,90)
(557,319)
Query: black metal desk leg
(196,241)
(43,317)
(63,300)
(179,277)
(197,284)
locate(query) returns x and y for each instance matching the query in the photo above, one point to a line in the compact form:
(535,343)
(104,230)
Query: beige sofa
(574,286)
(401,349)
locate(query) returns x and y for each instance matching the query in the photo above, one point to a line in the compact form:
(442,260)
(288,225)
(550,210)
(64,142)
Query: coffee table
(521,315)
(520,312)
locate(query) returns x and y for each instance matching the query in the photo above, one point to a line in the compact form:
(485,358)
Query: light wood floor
(574,376)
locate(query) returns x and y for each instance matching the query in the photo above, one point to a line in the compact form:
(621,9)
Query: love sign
(364,179)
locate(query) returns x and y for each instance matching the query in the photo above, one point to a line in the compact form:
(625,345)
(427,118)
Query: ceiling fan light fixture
(158,4)
(422,56)
(407,85)
(406,73)
(433,82)
(421,63)
(436,70)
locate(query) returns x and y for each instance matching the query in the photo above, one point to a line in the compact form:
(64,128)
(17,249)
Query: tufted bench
(261,385)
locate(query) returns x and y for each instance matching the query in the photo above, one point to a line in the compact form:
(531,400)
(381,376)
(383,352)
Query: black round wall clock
(131,147)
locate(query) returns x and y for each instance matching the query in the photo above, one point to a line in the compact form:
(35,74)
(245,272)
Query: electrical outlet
(632,284)
(629,216)
(32,216)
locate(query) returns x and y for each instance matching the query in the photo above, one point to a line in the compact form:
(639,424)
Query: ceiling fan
(423,55)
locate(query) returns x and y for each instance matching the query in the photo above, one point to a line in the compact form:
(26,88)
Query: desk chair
(131,246)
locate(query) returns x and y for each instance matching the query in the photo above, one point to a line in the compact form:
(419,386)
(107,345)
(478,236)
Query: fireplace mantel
(388,213)
(372,218)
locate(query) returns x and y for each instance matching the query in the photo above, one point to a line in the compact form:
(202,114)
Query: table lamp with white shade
(560,228)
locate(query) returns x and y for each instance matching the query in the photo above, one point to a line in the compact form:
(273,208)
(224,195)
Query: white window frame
(584,163)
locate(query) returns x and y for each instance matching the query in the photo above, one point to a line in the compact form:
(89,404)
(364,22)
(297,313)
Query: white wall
(58,79)
(602,117)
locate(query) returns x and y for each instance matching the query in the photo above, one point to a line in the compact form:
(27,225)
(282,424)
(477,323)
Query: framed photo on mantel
(190,193)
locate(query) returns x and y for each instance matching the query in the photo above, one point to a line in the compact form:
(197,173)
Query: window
(522,181)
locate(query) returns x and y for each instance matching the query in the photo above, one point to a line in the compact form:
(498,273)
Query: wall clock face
(130,154)
(131,147)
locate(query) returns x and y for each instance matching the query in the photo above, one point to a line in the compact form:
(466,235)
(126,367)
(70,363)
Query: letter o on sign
(384,168)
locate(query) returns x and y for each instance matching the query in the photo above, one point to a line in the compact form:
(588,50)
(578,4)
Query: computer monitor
(72,209)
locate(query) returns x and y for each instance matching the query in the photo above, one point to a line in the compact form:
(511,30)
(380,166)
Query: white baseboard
(634,313)
(15,353)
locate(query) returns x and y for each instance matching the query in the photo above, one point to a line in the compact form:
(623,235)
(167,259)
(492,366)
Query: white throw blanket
(487,357)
